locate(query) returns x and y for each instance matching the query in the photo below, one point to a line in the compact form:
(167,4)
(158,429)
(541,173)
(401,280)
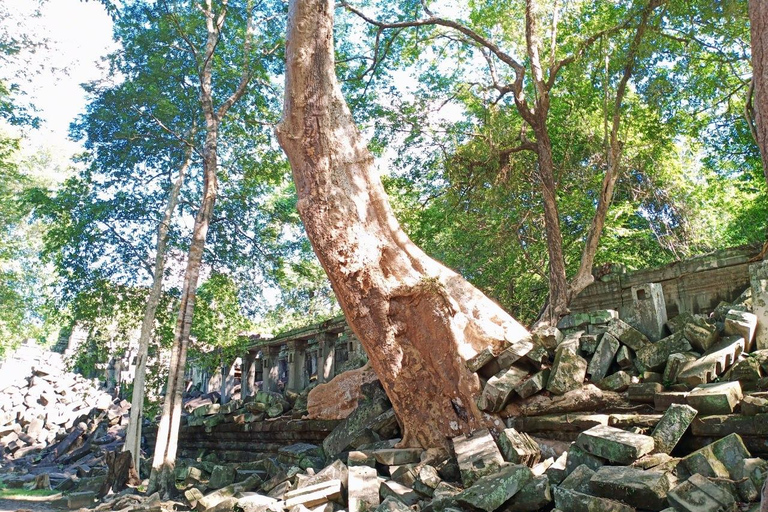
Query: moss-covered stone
(492,491)
(615,444)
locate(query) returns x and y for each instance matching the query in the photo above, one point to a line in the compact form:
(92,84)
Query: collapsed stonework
(637,409)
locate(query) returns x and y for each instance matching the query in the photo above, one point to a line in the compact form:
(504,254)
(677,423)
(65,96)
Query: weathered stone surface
(700,333)
(533,384)
(758,278)
(477,455)
(624,358)
(604,355)
(615,444)
(336,399)
(210,500)
(718,459)
(398,491)
(741,324)
(747,371)
(636,487)
(649,310)
(677,323)
(548,337)
(715,398)
(397,456)
(519,448)
(653,357)
(371,416)
(752,405)
(749,476)
(499,389)
(697,494)
(536,495)
(644,392)
(627,334)
(556,472)
(672,426)
(492,491)
(572,495)
(573,321)
(314,495)
(390,504)
(588,344)
(713,363)
(568,370)
(221,476)
(675,364)
(363,488)
(577,457)
(254,502)
(618,381)
(480,359)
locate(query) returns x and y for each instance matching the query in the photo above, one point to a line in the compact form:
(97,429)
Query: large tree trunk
(418,321)
(133,435)
(758,18)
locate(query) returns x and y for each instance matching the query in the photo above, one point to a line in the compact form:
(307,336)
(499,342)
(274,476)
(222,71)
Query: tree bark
(758,19)
(133,435)
(418,321)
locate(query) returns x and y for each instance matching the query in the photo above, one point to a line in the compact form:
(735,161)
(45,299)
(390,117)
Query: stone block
(662,401)
(627,334)
(636,487)
(749,476)
(624,358)
(572,495)
(713,363)
(588,344)
(556,472)
(673,424)
(390,504)
(644,392)
(758,279)
(533,384)
(603,316)
(741,324)
(677,323)
(77,500)
(480,359)
(548,337)
(519,448)
(369,416)
(675,364)
(221,476)
(753,405)
(697,494)
(538,357)
(513,354)
(477,455)
(398,491)
(747,371)
(715,398)
(363,488)
(717,460)
(573,321)
(578,457)
(700,333)
(314,495)
(492,491)
(654,356)
(536,495)
(603,358)
(398,456)
(649,310)
(361,458)
(618,381)
(254,502)
(568,370)
(427,480)
(499,389)
(615,444)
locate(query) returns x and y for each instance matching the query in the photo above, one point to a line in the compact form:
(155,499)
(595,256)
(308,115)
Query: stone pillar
(326,349)
(248,375)
(649,310)
(271,368)
(758,278)
(297,351)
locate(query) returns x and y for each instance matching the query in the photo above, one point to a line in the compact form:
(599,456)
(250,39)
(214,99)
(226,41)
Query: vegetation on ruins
(455,167)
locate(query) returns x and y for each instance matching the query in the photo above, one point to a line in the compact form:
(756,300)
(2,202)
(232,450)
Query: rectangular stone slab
(477,455)
(636,487)
(615,444)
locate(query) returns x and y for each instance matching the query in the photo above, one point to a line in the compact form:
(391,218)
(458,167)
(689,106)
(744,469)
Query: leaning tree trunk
(758,18)
(162,477)
(418,321)
(133,435)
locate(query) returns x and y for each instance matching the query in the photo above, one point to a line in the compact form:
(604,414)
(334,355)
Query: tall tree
(412,315)
(758,18)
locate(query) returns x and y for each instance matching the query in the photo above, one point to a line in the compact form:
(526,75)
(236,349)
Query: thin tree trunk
(418,321)
(758,19)
(133,435)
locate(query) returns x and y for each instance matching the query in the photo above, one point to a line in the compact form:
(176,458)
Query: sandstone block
(477,455)
(615,444)
(568,370)
(604,355)
(715,398)
(672,426)
(636,487)
(697,494)
(492,491)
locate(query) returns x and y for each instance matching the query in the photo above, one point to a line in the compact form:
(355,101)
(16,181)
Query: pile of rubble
(55,425)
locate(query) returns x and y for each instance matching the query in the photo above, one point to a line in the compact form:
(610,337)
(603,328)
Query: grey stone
(477,455)
(603,316)
(753,405)
(369,416)
(492,491)
(588,344)
(398,491)
(713,363)
(615,444)
(618,381)
(362,488)
(556,472)
(644,392)
(662,401)
(568,370)
(254,502)
(390,504)
(397,456)
(649,310)
(548,337)
(533,384)
(314,495)
(636,487)
(697,494)
(221,476)
(604,354)
(700,333)
(717,460)
(627,334)
(480,359)
(624,358)
(747,371)
(572,495)
(577,457)
(670,429)
(715,398)
(499,389)
(573,321)
(654,356)
(675,364)
(677,323)
(741,324)
(749,476)
(536,495)
(519,448)
(758,279)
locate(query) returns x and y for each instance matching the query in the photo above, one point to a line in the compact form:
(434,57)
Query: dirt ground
(13,505)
